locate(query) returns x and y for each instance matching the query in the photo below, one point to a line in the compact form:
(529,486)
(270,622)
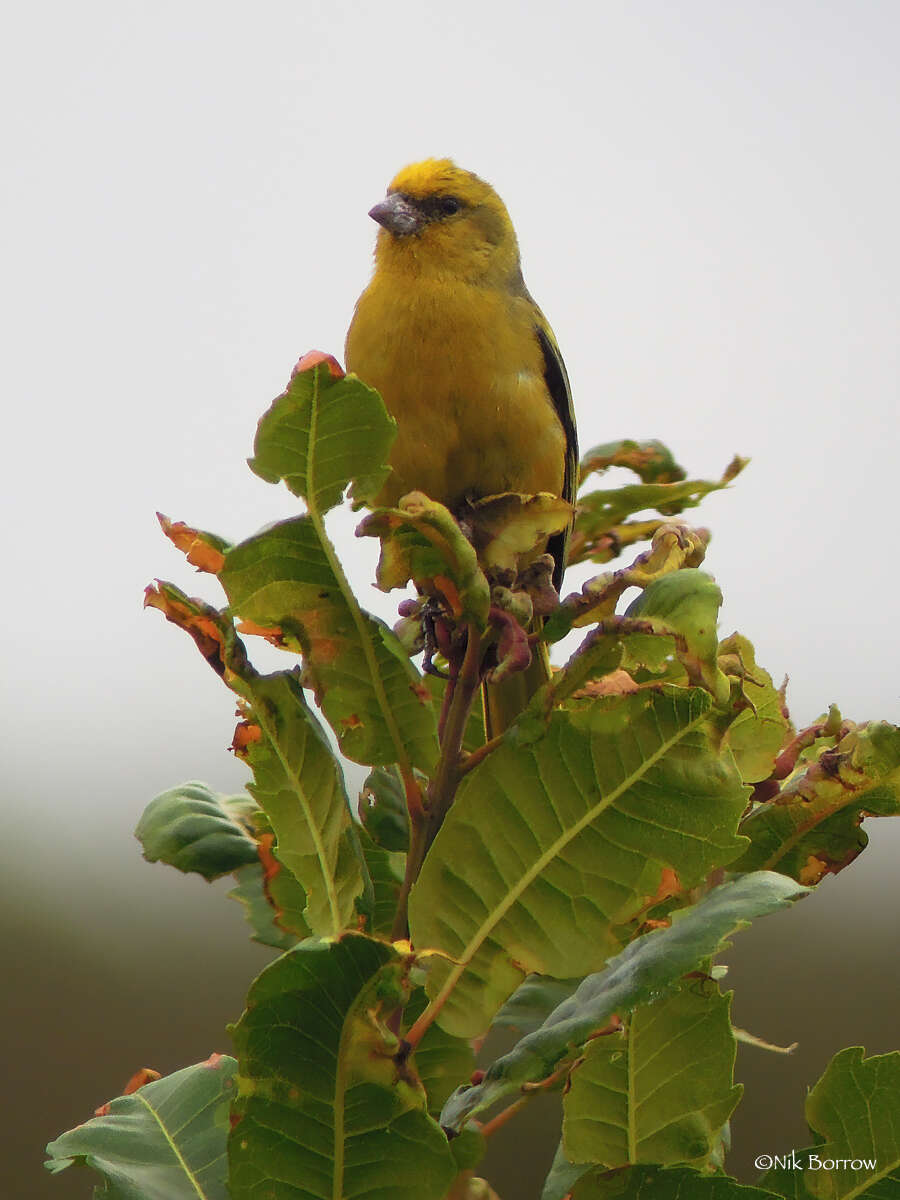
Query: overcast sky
(706,197)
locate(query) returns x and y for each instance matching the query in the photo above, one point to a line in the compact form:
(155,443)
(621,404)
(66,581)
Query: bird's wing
(557,381)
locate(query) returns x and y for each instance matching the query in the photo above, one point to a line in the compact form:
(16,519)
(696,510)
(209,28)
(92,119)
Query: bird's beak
(397,215)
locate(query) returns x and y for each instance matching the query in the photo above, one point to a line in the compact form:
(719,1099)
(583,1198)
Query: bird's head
(438,218)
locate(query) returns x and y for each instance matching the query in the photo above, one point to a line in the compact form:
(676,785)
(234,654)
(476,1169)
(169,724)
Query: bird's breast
(461,370)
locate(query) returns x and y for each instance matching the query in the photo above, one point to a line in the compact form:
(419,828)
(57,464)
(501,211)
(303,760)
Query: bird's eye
(449,205)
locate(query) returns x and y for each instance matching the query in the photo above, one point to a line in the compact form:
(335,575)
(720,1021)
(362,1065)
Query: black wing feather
(557,381)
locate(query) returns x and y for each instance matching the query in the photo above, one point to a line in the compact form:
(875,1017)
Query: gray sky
(706,197)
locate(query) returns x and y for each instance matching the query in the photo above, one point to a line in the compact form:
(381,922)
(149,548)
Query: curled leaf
(513,650)
(812,827)
(197,830)
(509,529)
(687,603)
(675,546)
(423,543)
(601,529)
(205,551)
(651,461)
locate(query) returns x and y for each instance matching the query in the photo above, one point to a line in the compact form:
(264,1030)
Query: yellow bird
(463,358)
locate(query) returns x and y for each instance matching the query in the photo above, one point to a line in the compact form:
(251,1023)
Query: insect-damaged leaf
(421,541)
(687,603)
(298,781)
(812,826)
(601,527)
(323,1110)
(372,695)
(299,785)
(652,462)
(757,733)
(551,845)
(205,551)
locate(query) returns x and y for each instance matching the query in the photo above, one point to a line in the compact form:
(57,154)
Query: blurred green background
(149,966)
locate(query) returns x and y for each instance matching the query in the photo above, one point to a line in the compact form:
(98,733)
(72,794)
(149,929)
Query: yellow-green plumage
(463,358)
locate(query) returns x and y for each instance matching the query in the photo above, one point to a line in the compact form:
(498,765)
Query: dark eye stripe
(436,208)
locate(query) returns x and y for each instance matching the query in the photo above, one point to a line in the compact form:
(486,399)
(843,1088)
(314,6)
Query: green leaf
(166,1141)
(287,577)
(325,430)
(597,656)
(787,1181)
(758,733)
(651,656)
(259,912)
(603,509)
(571,832)
(562,1176)
(651,461)
(533,1001)
(285,894)
(382,809)
(853,1110)
(643,971)
(298,782)
(274,900)
(654,1183)
(299,785)
(660,1089)
(442,1060)
(385,870)
(323,1110)
(468,1150)
(813,825)
(688,602)
(195,829)
(469,1187)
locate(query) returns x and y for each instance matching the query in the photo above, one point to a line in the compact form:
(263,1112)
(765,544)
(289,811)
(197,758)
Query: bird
(465,361)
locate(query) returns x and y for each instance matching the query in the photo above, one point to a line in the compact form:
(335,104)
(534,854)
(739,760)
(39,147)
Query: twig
(449,692)
(443,785)
(426,820)
(472,760)
(529,1090)
(502,1117)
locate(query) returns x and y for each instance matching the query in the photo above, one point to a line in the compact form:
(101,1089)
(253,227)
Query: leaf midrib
(328,881)
(170,1141)
(363,632)
(493,919)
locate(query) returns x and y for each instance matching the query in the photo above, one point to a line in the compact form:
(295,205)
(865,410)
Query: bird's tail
(504,701)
